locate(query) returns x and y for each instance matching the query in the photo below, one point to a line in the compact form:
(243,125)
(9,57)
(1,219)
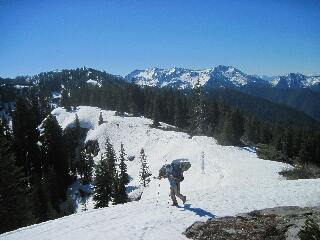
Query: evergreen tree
(227,136)
(251,130)
(144,171)
(121,179)
(54,157)
(121,104)
(73,135)
(65,99)
(86,165)
(305,153)
(42,207)
(179,113)
(120,194)
(123,166)
(198,118)
(33,155)
(170,106)
(238,125)
(44,106)
(213,117)
(56,193)
(26,120)
(287,143)
(102,184)
(105,174)
(156,112)
(112,159)
(15,211)
(20,125)
(100,119)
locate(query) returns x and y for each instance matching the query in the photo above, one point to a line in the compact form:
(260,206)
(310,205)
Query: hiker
(174,173)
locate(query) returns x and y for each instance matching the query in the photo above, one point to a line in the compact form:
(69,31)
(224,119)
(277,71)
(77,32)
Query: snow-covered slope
(220,76)
(234,181)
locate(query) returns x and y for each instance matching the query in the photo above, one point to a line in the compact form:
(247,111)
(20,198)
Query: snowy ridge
(187,78)
(296,80)
(220,76)
(235,180)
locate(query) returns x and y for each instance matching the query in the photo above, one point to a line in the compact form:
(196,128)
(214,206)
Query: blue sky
(264,37)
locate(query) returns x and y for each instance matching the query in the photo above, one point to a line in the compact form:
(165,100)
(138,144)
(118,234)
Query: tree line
(200,112)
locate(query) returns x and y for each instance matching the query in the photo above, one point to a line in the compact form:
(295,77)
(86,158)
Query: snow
(187,78)
(94,82)
(221,76)
(295,80)
(20,86)
(235,181)
(56,95)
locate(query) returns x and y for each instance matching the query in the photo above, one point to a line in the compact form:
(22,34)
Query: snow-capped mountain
(220,76)
(296,80)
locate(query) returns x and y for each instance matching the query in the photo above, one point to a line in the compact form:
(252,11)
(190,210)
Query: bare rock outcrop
(278,223)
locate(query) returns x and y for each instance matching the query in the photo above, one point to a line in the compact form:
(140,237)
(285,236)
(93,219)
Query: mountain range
(296,91)
(217,77)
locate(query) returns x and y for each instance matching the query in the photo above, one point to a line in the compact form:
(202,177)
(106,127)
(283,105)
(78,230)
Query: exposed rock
(271,223)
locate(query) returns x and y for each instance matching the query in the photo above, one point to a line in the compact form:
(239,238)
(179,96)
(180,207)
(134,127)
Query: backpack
(177,172)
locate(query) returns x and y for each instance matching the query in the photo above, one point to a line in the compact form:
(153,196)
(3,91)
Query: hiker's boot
(184,199)
(174,204)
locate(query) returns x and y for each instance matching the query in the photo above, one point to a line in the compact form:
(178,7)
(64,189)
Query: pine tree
(237,125)
(100,119)
(305,154)
(20,126)
(14,192)
(198,118)
(287,143)
(102,184)
(26,120)
(155,112)
(77,141)
(54,157)
(112,159)
(123,166)
(86,165)
(213,117)
(42,207)
(170,106)
(121,104)
(227,135)
(44,106)
(178,113)
(144,172)
(120,194)
(121,180)
(105,175)
(56,192)
(251,130)
(65,100)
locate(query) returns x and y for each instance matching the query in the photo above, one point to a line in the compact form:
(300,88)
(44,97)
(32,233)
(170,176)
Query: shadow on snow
(198,211)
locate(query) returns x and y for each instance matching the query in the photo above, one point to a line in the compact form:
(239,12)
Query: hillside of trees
(304,100)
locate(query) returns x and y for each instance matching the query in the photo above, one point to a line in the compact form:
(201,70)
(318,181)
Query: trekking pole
(202,162)
(165,157)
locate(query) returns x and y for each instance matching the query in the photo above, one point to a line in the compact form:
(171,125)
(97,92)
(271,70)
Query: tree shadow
(198,211)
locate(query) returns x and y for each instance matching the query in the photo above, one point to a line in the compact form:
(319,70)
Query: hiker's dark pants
(175,191)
